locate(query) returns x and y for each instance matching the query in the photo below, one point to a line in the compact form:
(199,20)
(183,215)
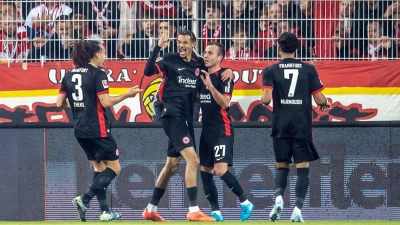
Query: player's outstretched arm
(222,100)
(150,69)
(107,101)
(62,101)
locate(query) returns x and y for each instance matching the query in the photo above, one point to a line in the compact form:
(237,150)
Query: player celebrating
(177,93)
(217,136)
(86,89)
(290,83)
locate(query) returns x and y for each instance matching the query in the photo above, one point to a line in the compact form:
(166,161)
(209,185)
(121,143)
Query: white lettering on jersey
(228,88)
(291,102)
(191,83)
(205,98)
(290,65)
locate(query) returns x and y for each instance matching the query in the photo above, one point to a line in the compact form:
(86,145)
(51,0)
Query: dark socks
(210,190)
(234,185)
(281,181)
(192,194)
(101,182)
(157,195)
(101,196)
(303,181)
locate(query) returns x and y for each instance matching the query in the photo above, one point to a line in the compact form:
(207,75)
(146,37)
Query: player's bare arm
(62,101)
(322,102)
(107,101)
(222,100)
(151,69)
(266,96)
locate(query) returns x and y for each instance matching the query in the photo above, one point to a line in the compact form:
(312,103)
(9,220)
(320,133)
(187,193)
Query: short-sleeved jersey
(179,88)
(83,86)
(293,83)
(215,119)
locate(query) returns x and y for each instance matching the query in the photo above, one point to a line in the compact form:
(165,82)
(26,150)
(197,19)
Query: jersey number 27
(77,80)
(293,83)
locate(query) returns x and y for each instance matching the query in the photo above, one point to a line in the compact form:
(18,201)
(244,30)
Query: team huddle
(188,78)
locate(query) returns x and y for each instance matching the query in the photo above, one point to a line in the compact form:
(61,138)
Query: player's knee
(283,165)
(220,172)
(174,169)
(194,162)
(303,165)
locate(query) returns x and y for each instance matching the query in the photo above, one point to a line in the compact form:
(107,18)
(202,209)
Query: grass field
(374,222)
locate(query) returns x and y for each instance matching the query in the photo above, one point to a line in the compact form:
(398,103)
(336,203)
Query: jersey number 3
(293,83)
(77,80)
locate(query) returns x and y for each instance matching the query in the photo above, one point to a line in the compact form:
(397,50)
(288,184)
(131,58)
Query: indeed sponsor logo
(207,96)
(182,80)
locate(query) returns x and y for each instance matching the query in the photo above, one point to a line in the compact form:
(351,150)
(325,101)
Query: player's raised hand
(164,40)
(132,92)
(227,75)
(325,107)
(206,79)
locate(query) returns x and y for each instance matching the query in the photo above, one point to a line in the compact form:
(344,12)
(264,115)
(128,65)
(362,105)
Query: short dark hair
(167,20)
(84,51)
(288,42)
(12,3)
(188,33)
(221,48)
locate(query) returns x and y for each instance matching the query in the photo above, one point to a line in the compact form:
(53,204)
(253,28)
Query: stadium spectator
(213,28)
(144,41)
(306,23)
(59,46)
(379,46)
(393,13)
(14,42)
(239,12)
(166,27)
(10,8)
(240,50)
(264,33)
(302,53)
(290,8)
(106,17)
(345,48)
(129,16)
(185,15)
(372,9)
(42,18)
(82,26)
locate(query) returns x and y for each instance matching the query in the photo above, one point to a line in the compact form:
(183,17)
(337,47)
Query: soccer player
(290,84)
(177,94)
(217,136)
(85,91)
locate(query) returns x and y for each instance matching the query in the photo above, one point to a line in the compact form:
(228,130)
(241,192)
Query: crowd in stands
(334,29)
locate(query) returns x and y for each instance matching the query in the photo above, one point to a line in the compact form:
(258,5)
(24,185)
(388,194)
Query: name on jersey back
(79,104)
(79,70)
(189,83)
(290,65)
(291,102)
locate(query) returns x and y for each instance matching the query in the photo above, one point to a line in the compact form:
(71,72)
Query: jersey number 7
(293,83)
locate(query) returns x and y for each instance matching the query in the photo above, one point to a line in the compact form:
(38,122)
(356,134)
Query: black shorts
(98,149)
(302,150)
(180,134)
(216,149)
(157,110)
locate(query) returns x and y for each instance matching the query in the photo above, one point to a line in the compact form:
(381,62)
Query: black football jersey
(179,88)
(82,87)
(215,119)
(293,83)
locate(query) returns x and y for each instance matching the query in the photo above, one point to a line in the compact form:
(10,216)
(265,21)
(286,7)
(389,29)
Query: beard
(10,34)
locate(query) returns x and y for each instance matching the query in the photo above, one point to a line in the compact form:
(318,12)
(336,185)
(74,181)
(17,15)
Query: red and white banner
(358,91)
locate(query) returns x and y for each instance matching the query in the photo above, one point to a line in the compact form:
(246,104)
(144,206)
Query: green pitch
(374,222)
